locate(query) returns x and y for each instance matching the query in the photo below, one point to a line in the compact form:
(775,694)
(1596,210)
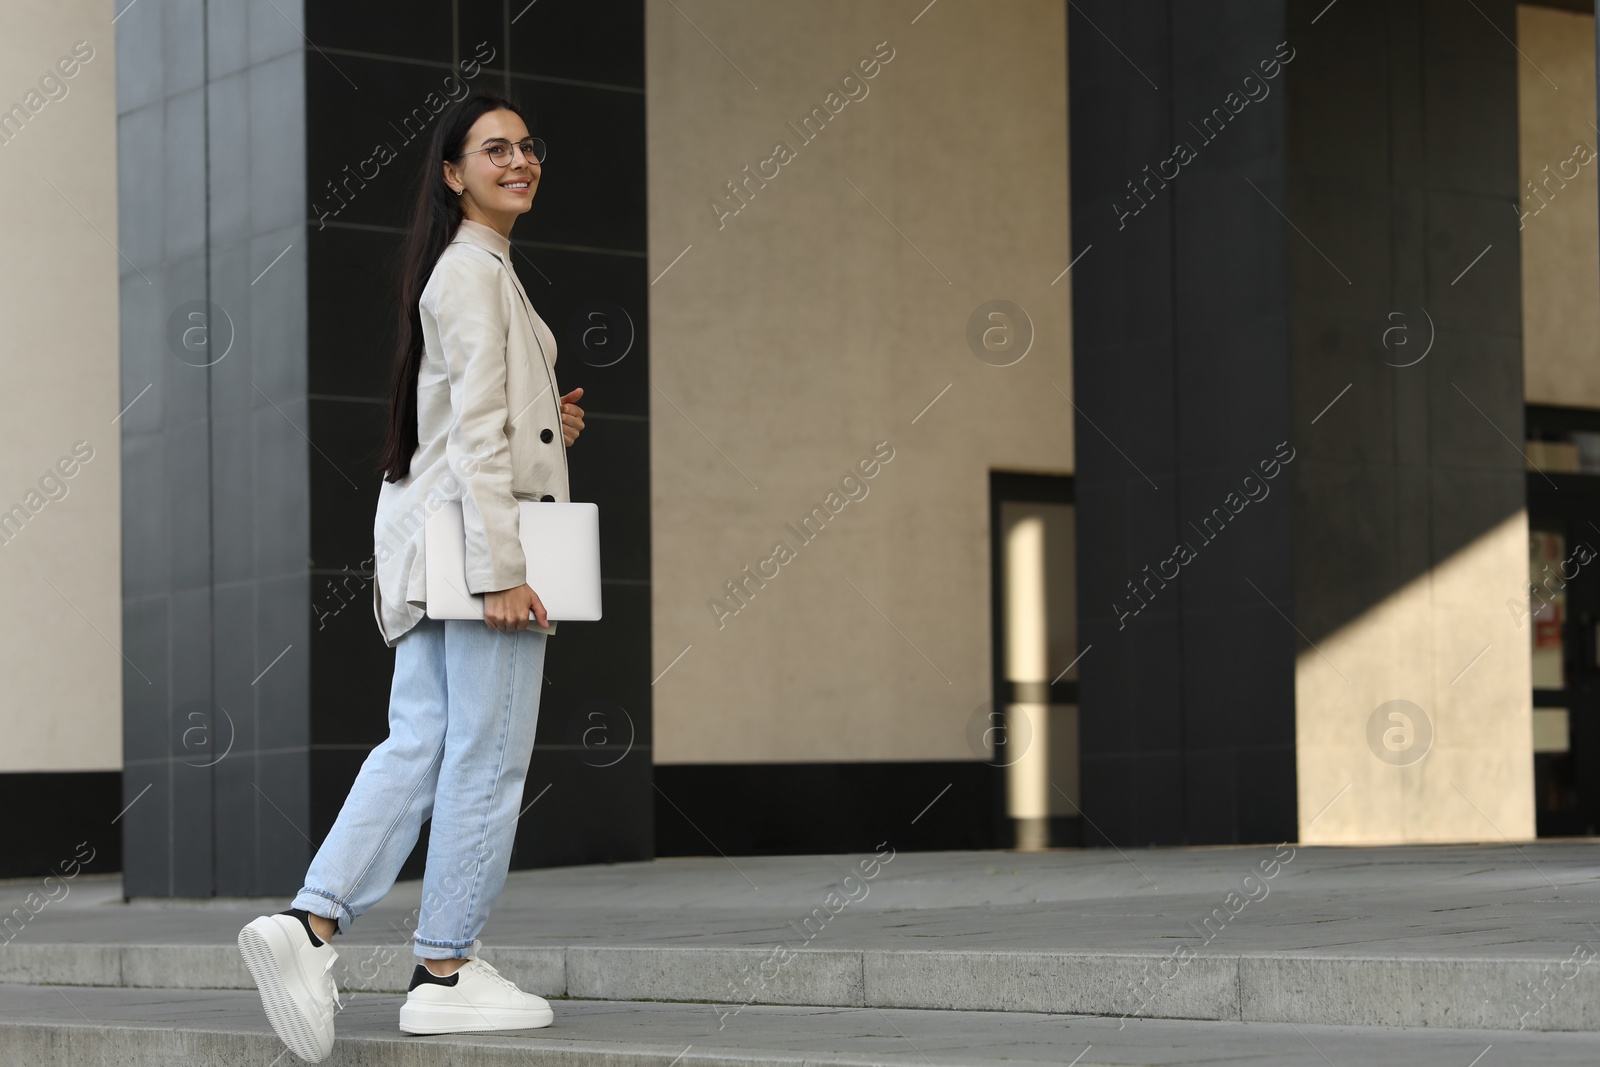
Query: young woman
(474,416)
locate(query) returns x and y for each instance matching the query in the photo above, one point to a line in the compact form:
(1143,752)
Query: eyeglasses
(500,151)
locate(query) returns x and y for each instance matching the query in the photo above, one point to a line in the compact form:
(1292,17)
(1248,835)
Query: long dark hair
(435,217)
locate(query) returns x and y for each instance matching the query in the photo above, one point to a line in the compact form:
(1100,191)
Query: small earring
(461,190)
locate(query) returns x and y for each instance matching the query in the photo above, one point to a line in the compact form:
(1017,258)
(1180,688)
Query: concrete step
(44,1026)
(1496,938)
(1490,994)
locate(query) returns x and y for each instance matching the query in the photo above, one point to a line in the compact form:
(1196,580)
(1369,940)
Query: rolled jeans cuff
(316,901)
(447,950)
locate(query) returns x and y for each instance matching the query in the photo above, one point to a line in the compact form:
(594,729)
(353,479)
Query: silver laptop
(560,540)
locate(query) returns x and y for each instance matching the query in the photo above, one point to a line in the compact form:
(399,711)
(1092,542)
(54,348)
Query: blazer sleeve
(474,320)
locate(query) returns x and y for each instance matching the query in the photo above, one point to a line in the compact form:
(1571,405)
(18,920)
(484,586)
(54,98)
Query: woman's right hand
(507,610)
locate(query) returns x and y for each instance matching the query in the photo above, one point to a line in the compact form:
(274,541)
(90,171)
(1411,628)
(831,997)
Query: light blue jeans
(462,712)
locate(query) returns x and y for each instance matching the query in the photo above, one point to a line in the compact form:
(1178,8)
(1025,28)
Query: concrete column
(215,598)
(1268,557)
(1182,386)
(1409,529)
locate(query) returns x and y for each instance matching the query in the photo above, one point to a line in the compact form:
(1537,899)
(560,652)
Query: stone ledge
(71,1026)
(1490,994)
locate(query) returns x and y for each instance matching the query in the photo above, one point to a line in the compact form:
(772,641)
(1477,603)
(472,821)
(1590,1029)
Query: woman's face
(496,192)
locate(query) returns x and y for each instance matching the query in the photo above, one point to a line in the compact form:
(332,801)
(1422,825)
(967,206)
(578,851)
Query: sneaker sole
(458,1019)
(261,952)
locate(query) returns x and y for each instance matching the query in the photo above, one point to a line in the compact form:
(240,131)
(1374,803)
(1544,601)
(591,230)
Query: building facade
(1013,425)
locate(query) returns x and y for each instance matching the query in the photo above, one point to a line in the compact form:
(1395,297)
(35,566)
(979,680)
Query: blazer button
(547,498)
(546,436)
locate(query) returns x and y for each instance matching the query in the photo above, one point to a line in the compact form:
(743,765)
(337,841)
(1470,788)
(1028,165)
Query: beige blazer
(488,429)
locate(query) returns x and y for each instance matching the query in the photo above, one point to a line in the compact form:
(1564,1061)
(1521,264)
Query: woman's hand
(571,416)
(507,610)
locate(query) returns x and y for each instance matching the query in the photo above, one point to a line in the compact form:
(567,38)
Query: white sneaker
(476,997)
(296,983)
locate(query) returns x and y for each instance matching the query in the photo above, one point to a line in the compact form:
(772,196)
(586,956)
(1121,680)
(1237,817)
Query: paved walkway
(1528,901)
(1213,955)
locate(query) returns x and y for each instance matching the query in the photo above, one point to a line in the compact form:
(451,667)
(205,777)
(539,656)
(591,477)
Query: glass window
(1552,730)
(1555,782)
(1564,451)
(1547,606)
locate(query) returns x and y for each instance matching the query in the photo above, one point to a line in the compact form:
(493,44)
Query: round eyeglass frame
(538,156)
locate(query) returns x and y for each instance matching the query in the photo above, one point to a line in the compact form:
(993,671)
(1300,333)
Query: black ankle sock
(305,920)
(422,975)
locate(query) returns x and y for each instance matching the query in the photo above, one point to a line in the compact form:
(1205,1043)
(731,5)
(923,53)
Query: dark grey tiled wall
(253,691)
(578,71)
(215,505)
